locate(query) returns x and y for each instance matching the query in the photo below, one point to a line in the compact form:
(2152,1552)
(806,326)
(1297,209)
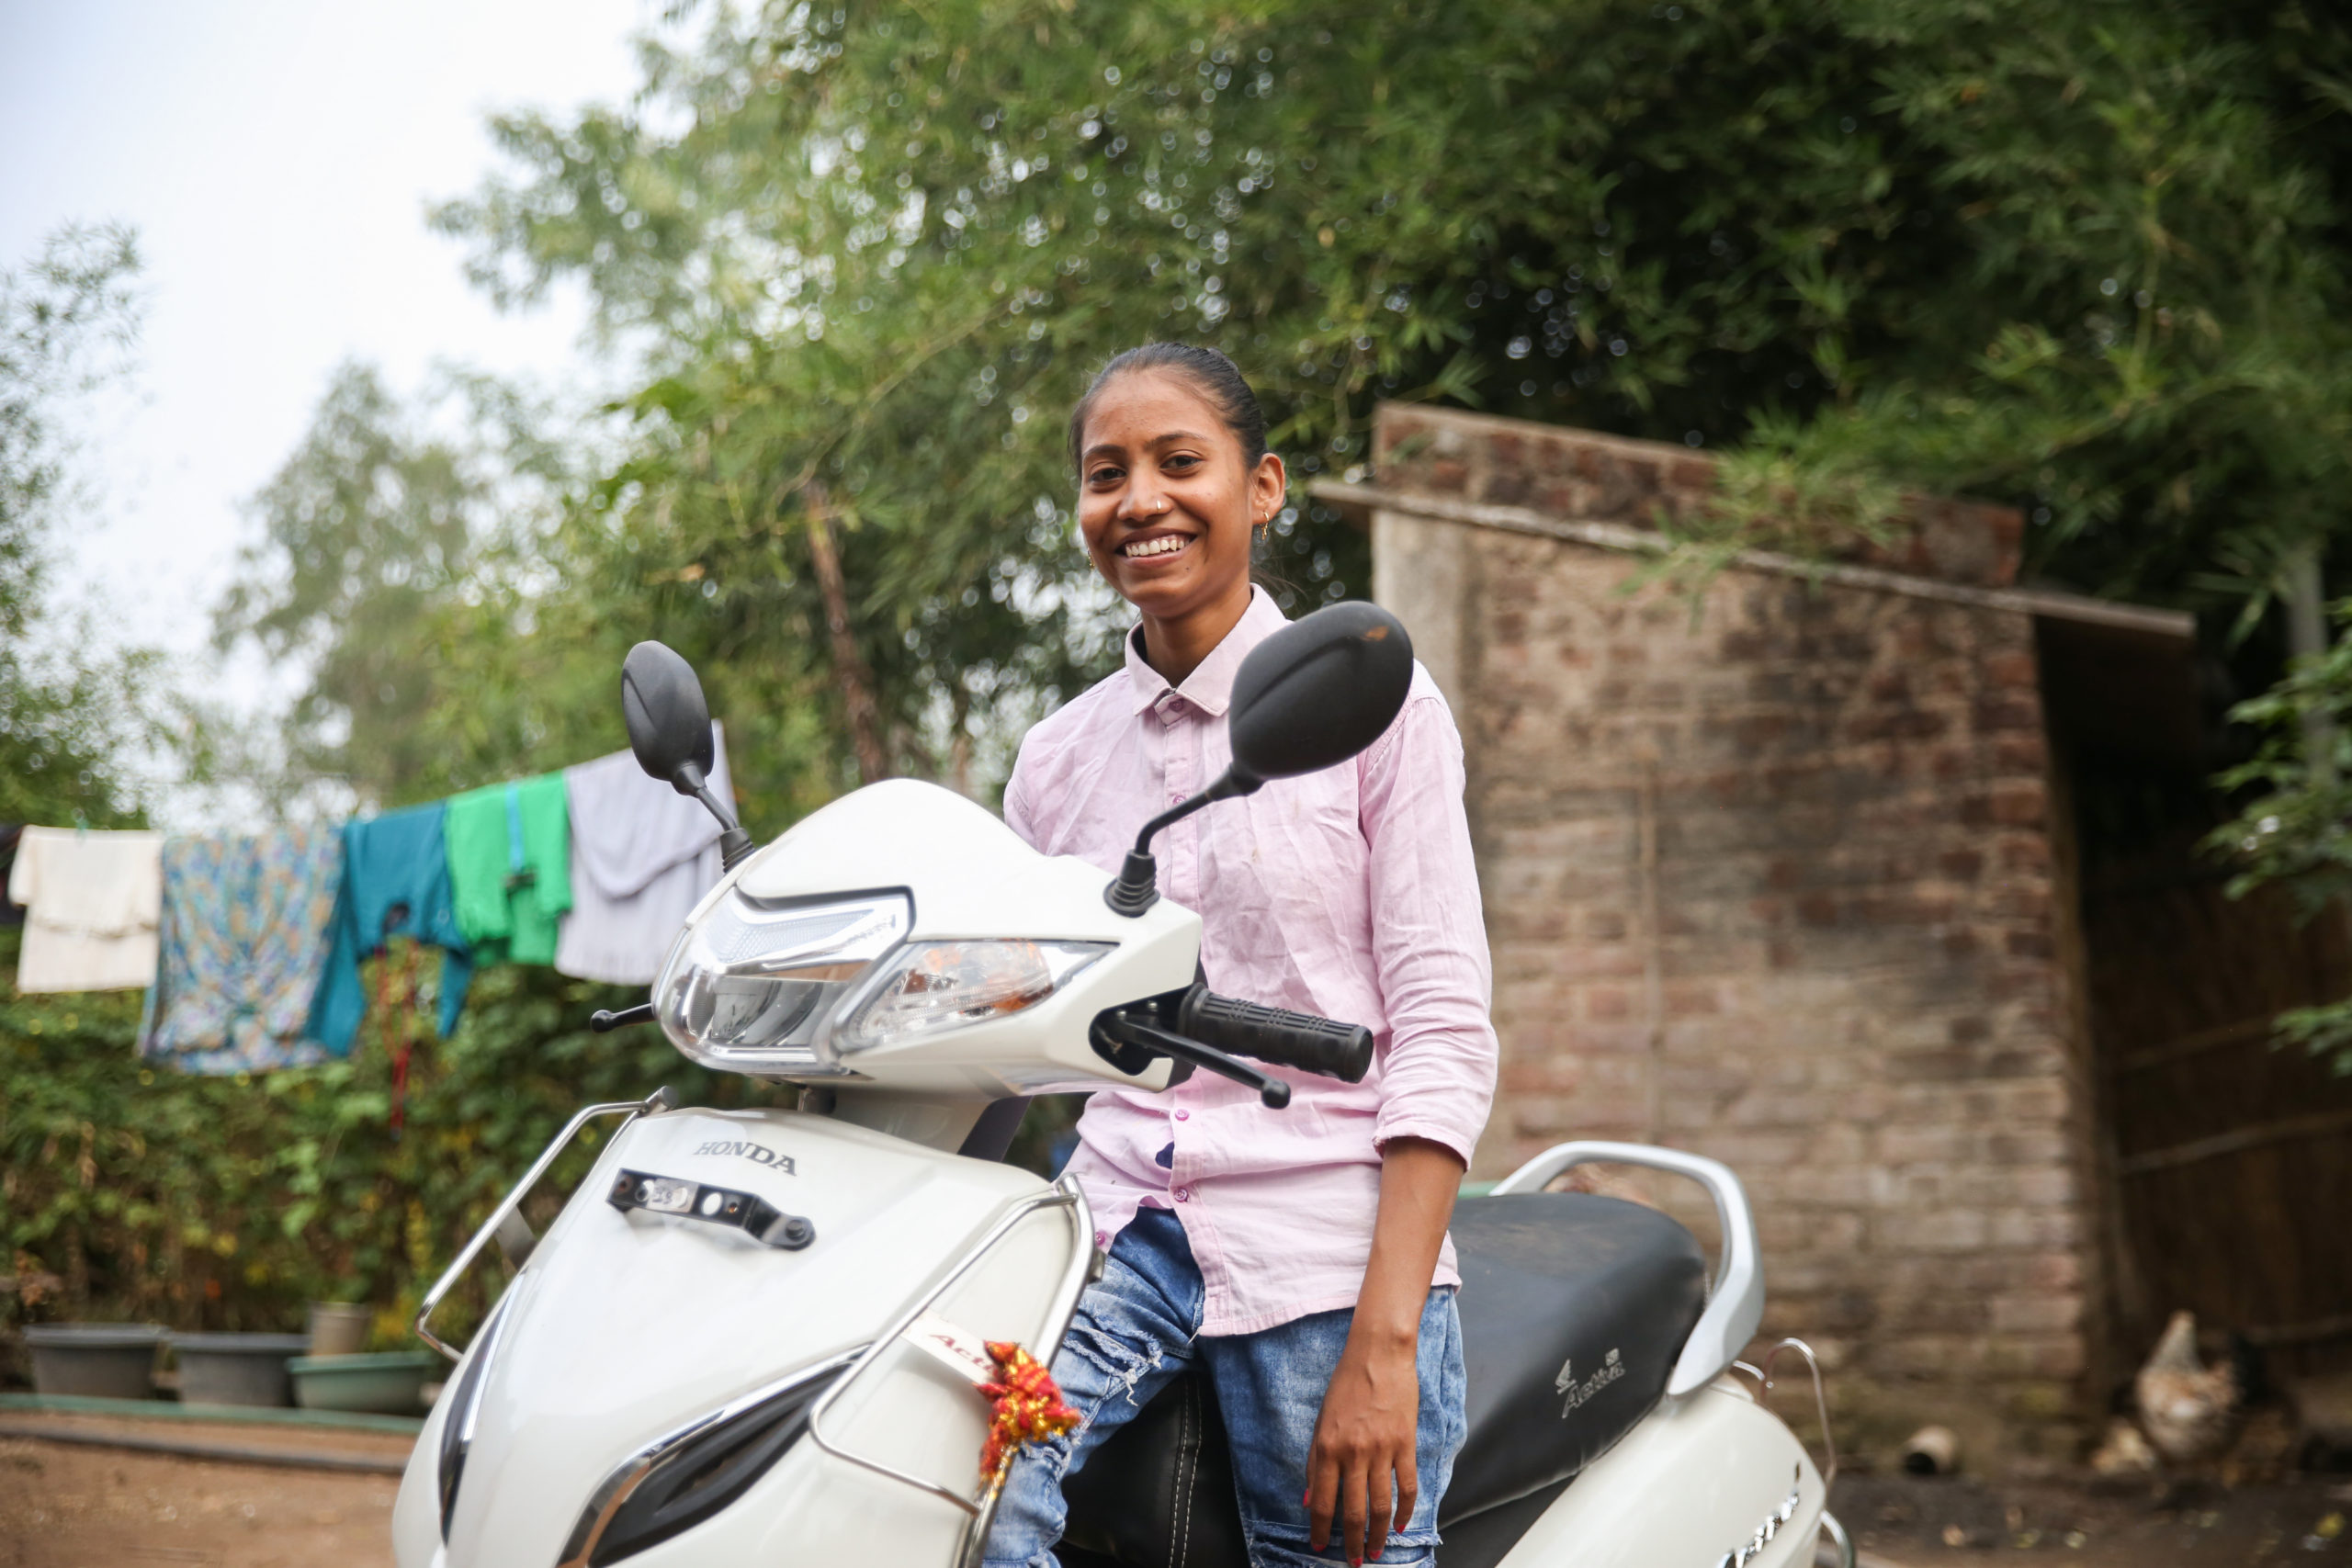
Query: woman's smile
(1155,547)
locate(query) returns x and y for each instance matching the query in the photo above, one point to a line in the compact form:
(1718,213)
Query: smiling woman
(1174,484)
(1297,1257)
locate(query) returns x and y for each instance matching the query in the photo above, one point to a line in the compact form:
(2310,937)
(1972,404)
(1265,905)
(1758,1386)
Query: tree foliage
(68,322)
(2088,258)
(2295,829)
(386,515)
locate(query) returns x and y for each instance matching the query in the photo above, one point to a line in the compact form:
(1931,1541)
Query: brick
(2036,1311)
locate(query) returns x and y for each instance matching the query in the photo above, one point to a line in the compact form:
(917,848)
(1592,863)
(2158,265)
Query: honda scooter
(753,1337)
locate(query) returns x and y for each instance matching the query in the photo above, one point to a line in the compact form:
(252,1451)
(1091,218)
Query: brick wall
(1771,874)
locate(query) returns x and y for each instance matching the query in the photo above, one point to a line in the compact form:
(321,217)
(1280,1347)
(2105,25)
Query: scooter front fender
(1711,1481)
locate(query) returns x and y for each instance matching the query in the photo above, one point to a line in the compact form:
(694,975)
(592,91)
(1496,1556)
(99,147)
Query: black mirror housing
(668,722)
(1319,690)
(669,730)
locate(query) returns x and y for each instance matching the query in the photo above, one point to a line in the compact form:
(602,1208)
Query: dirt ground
(71,1506)
(65,1506)
(1901,1522)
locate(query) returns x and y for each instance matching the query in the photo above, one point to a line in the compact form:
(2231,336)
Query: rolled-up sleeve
(1429,932)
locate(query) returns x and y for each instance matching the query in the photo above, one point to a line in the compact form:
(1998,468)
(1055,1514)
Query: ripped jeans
(1139,1326)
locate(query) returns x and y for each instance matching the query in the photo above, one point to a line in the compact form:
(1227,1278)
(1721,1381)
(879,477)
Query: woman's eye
(1102,476)
(1182,463)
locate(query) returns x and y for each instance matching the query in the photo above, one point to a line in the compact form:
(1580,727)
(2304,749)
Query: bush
(130,1192)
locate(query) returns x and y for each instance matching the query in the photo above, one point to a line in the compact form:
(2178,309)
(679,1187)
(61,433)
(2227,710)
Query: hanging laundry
(510,866)
(246,927)
(92,902)
(11,912)
(642,856)
(395,883)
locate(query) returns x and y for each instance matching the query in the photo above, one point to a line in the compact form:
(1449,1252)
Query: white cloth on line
(642,856)
(92,904)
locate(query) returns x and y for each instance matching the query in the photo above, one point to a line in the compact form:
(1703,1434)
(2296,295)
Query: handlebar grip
(1302,1040)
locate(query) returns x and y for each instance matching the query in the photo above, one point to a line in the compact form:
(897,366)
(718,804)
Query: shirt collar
(1210,686)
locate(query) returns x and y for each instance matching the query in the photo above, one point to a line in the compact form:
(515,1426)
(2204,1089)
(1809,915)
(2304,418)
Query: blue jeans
(1140,1326)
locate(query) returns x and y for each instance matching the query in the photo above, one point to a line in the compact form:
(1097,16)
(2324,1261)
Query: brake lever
(1272,1091)
(602,1022)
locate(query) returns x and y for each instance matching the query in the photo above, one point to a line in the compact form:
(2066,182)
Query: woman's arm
(1437,1078)
(1371,1416)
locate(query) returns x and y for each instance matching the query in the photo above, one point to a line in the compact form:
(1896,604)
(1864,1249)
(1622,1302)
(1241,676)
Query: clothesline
(249,946)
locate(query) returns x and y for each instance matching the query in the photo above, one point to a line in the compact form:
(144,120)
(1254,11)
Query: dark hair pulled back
(1215,377)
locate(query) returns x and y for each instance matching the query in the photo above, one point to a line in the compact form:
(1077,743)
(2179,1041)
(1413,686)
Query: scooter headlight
(748,985)
(932,987)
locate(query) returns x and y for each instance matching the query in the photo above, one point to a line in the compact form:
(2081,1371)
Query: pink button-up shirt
(1350,893)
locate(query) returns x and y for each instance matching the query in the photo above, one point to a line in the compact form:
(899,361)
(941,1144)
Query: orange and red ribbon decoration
(1025,1407)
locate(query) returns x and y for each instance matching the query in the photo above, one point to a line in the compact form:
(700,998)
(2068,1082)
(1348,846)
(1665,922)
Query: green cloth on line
(510,867)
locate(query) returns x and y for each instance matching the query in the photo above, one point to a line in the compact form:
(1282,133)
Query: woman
(1297,1257)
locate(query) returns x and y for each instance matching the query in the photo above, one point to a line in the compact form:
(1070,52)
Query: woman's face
(1166,501)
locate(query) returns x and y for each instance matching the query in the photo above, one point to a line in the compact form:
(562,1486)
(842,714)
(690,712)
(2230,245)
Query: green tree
(384,517)
(69,321)
(2084,257)
(2294,830)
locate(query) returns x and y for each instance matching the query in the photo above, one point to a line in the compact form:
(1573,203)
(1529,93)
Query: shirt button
(1177,798)
(1183,1194)
(1102,1238)
(1183,1116)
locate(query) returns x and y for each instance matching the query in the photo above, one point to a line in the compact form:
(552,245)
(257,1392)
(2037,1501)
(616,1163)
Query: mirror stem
(733,842)
(1137,887)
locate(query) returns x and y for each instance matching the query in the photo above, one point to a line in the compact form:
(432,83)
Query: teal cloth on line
(395,883)
(246,925)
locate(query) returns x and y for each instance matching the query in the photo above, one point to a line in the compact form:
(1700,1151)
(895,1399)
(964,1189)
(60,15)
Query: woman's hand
(1365,1436)
(1367,1432)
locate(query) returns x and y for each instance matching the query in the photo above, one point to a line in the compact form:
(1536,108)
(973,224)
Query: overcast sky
(276,159)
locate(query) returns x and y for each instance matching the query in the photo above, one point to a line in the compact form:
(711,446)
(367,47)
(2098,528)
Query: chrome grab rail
(1840,1542)
(659,1101)
(1062,1195)
(1820,1403)
(1735,1299)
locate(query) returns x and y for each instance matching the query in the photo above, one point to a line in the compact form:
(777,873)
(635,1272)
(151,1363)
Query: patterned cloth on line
(246,926)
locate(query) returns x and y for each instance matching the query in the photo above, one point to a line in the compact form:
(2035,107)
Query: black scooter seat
(1574,1308)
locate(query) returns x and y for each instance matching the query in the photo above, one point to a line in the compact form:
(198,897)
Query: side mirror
(1319,690)
(669,730)
(1308,698)
(668,722)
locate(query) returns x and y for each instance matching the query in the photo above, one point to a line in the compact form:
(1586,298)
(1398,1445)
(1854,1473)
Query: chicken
(2187,1409)
(2125,1451)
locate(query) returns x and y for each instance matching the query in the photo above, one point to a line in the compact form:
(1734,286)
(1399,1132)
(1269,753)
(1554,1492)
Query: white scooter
(748,1337)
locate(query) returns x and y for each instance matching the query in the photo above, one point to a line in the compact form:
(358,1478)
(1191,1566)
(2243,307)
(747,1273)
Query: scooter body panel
(623,1327)
(1711,1481)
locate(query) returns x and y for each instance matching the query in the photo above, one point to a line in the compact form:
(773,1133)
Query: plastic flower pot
(237,1368)
(340,1328)
(99,1360)
(391,1383)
